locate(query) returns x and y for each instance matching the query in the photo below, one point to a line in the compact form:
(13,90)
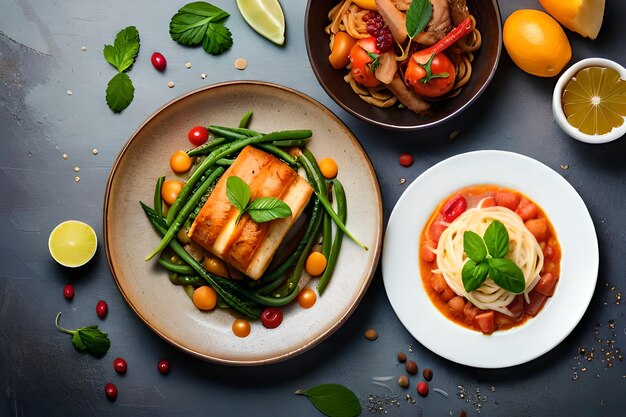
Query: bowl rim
(414,127)
(557,108)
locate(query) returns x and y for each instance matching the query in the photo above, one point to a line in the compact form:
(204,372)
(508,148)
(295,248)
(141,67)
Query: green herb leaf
(90,338)
(375,60)
(120,92)
(417,17)
(200,23)
(334,400)
(124,50)
(264,209)
(474,274)
(474,246)
(238,192)
(497,239)
(507,275)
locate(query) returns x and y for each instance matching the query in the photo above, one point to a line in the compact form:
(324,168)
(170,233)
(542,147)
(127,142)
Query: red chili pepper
(454,35)
(453,208)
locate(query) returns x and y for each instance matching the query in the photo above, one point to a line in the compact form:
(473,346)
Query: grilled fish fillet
(249,246)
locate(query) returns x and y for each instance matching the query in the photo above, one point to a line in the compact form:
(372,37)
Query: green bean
(206,147)
(291,143)
(245,120)
(231,292)
(171,266)
(225,162)
(238,130)
(158,201)
(186,211)
(228,133)
(342,213)
(178,279)
(308,167)
(275,150)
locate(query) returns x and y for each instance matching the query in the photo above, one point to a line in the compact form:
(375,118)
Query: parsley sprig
(90,338)
(487,259)
(120,90)
(201,22)
(261,209)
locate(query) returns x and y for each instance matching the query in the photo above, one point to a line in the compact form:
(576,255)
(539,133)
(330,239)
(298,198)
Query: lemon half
(265,17)
(72,243)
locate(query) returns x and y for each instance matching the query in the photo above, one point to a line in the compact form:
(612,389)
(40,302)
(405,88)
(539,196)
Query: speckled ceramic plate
(562,311)
(129,237)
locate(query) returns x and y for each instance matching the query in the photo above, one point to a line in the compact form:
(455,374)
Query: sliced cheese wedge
(246,245)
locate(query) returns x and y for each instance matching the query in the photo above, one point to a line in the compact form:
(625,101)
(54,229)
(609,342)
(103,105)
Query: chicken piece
(249,246)
(440,24)
(458,11)
(394,18)
(387,67)
(406,96)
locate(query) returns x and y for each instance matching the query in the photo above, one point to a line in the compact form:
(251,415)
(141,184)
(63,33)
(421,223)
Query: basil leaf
(95,341)
(497,239)
(238,192)
(200,23)
(264,209)
(120,92)
(474,246)
(507,275)
(124,50)
(474,274)
(333,400)
(417,17)
(218,39)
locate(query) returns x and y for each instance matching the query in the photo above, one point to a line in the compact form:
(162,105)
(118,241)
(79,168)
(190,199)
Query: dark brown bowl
(488,21)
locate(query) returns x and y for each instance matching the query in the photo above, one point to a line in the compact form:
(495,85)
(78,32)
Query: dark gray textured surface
(42,374)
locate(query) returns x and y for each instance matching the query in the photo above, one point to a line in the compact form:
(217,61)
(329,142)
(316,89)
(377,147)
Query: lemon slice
(266,17)
(594,100)
(72,243)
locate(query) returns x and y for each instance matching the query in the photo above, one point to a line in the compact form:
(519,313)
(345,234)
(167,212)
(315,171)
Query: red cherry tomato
(406,160)
(110,391)
(362,62)
(120,365)
(198,135)
(164,366)
(68,291)
(158,61)
(453,208)
(271,317)
(430,75)
(102,309)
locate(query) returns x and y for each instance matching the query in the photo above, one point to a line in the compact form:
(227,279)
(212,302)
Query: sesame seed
(69,92)
(64,156)
(83,48)
(170,84)
(241,63)
(203,76)
(94,151)
(76,169)
(76,178)
(188,65)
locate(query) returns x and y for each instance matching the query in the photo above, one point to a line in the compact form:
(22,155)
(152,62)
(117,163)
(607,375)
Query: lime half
(266,17)
(594,100)
(72,243)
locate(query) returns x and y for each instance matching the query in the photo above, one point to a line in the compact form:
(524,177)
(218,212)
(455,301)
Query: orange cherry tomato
(180,162)
(315,264)
(362,56)
(307,298)
(205,298)
(430,75)
(328,167)
(241,328)
(170,190)
(339,55)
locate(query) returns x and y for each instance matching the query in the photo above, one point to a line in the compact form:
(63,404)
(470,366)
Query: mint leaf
(474,246)
(333,400)
(238,192)
(200,23)
(90,338)
(417,17)
(497,239)
(507,275)
(265,209)
(120,92)
(124,50)
(218,39)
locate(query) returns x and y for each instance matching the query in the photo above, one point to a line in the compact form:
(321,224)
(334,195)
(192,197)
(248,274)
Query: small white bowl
(557,107)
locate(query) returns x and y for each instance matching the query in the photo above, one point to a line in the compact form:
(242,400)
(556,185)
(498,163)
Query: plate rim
(368,276)
(491,363)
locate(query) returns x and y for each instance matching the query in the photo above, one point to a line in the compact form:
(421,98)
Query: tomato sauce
(457,308)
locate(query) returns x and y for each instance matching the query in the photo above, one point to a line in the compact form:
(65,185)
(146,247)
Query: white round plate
(562,311)
(129,237)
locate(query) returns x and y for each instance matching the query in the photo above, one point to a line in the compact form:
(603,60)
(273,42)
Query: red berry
(377,28)
(101,309)
(111,391)
(406,160)
(68,291)
(158,61)
(422,388)
(120,365)
(271,317)
(164,366)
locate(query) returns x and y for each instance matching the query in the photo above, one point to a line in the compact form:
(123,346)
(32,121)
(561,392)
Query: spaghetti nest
(523,250)
(348,17)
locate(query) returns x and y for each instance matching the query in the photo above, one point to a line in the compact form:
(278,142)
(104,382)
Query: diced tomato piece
(470,311)
(507,199)
(453,208)
(517,307)
(486,322)
(546,284)
(426,252)
(435,231)
(538,227)
(457,304)
(487,202)
(439,283)
(527,210)
(536,302)
(553,244)
(447,294)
